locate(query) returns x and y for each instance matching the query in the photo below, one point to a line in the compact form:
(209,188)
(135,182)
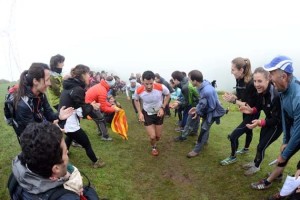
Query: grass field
(132,173)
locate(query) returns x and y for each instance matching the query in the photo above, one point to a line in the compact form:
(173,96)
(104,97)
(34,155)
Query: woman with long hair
(73,94)
(245,94)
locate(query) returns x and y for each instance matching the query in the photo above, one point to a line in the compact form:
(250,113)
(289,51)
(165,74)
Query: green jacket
(193,95)
(55,89)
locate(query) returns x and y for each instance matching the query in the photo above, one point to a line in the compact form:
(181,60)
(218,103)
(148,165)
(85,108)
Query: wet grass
(132,173)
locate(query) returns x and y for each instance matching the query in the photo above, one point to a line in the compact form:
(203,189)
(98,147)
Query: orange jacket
(98,93)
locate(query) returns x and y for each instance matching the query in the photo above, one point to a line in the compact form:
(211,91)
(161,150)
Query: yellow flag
(119,124)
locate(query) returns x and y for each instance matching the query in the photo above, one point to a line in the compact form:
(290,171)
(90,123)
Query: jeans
(204,134)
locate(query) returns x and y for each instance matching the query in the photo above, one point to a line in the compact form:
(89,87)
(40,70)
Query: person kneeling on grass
(153,107)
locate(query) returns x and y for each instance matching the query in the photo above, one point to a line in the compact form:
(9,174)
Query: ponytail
(244,63)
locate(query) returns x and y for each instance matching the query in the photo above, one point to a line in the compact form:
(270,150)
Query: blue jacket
(209,106)
(290,107)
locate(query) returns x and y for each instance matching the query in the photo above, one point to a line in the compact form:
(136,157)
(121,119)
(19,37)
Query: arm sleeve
(78,97)
(55,85)
(49,114)
(294,140)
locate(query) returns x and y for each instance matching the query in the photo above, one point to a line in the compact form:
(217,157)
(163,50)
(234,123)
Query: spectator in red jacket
(99,94)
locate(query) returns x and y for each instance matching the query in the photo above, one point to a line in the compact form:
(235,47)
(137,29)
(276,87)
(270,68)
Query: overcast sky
(160,35)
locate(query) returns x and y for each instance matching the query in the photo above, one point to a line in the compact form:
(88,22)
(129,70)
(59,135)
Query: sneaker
(154,152)
(192,154)
(75,144)
(252,170)
(228,160)
(260,185)
(179,129)
(99,163)
(242,151)
(179,139)
(278,178)
(276,196)
(106,138)
(248,165)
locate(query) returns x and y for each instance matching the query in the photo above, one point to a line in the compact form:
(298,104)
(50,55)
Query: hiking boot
(75,144)
(228,160)
(154,152)
(276,196)
(192,154)
(252,170)
(248,165)
(242,151)
(278,178)
(99,163)
(106,138)
(261,185)
(179,139)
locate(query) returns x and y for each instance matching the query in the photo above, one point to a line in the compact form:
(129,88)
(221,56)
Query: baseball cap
(280,62)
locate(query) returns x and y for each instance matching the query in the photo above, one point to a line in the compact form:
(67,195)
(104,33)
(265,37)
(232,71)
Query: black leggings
(82,139)
(239,131)
(267,136)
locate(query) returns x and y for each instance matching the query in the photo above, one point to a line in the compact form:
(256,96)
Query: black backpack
(9,110)
(15,191)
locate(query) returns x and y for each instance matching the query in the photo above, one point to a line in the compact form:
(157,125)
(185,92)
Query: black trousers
(267,136)
(239,131)
(82,139)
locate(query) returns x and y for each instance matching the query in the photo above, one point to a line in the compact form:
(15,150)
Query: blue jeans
(190,125)
(204,134)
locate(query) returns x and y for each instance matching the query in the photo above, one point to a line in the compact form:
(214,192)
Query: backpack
(15,191)
(9,110)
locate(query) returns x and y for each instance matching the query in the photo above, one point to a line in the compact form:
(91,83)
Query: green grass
(132,173)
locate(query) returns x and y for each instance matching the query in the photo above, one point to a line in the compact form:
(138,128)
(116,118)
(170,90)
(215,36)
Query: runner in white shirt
(152,112)
(130,89)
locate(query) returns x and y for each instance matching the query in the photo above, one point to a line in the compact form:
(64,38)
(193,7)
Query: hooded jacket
(209,105)
(73,95)
(34,185)
(98,93)
(55,88)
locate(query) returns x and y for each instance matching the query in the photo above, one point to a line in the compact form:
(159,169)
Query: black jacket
(32,108)
(246,92)
(73,95)
(270,104)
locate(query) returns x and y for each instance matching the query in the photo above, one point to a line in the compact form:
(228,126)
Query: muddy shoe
(261,185)
(248,165)
(99,163)
(252,170)
(192,154)
(242,151)
(106,138)
(154,152)
(228,161)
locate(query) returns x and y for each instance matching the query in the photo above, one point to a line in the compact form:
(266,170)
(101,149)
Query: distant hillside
(2,81)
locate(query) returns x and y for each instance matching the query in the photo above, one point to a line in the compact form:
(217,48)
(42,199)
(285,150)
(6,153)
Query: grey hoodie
(31,182)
